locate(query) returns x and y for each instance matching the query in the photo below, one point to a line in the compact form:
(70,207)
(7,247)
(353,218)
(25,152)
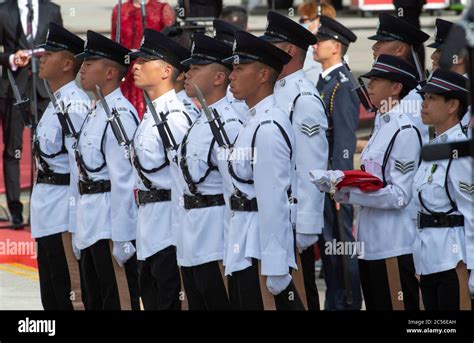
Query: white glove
(122,252)
(471,283)
(303,241)
(75,249)
(326,180)
(278,283)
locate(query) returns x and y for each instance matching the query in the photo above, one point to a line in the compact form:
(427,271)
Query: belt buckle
(418,215)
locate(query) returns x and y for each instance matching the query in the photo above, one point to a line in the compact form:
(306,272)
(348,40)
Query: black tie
(320,83)
(29,22)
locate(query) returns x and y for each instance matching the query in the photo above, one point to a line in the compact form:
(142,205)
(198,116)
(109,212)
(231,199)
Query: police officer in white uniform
(298,97)
(224,32)
(385,229)
(54,195)
(155,71)
(261,165)
(190,106)
(397,37)
(107,211)
(206,182)
(443,191)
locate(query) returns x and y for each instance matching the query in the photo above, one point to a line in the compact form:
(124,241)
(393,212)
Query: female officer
(443,191)
(385,229)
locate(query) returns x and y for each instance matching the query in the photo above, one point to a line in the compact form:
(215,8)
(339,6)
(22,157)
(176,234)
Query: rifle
(143,13)
(117,26)
(114,118)
(416,59)
(22,103)
(359,87)
(63,116)
(215,122)
(161,124)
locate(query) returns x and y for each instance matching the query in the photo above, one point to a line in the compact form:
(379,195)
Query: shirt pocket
(149,150)
(435,196)
(240,158)
(197,157)
(373,162)
(50,140)
(91,151)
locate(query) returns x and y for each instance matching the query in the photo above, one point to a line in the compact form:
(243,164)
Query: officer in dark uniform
(343,113)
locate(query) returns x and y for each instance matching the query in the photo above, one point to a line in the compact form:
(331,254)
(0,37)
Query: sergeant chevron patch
(404,167)
(466,187)
(310,130)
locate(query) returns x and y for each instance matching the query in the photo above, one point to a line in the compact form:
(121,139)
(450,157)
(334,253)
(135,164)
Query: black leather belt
(442,220)
(52,178)
(94,187)
(202,201)
(153,195)
(243,204)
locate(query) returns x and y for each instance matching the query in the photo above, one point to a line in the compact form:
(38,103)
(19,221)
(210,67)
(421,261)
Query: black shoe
(17,222)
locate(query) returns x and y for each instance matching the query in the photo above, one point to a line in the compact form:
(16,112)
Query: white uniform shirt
(203,231)
(267,234)
(411,106)
(311,151)
(384,223)
(154,225)
(239,106)
(53,208)
(110,215)
(440,249)
(191,108)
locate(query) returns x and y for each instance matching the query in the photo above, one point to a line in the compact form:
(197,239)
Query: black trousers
(442,291)
(233,295)
(159,280)
(12,126)
(247,288)
(309,278)
(100,281)
(55,283)
(249,296)
(381,291)
(205,287)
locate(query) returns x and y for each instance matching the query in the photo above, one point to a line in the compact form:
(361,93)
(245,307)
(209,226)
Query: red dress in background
(158,16)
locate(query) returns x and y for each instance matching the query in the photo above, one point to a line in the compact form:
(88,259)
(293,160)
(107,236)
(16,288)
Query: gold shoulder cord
(331,99)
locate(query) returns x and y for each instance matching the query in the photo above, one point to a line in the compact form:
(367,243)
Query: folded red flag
(364,181)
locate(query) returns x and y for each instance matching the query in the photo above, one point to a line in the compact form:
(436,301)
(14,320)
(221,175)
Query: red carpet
(17,247)
(24,162)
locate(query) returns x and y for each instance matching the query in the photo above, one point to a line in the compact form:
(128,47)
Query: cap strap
(58,45)
(276,35)
(206,57)
(392,35)
(98,53)
(333,35)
